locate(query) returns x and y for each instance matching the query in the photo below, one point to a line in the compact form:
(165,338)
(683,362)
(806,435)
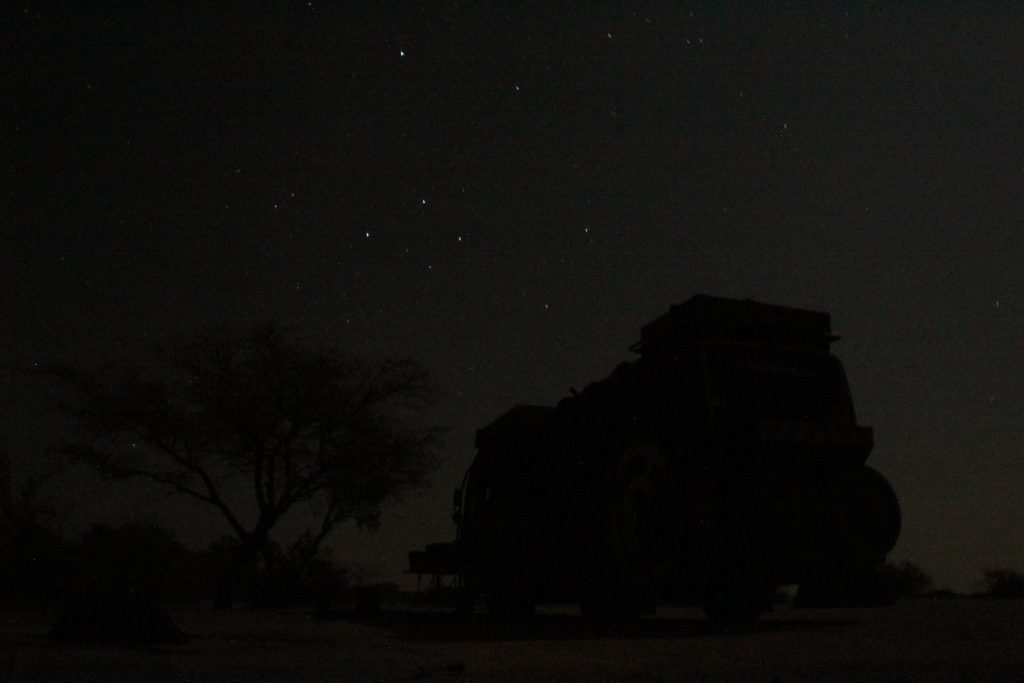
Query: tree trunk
(230,576)
(307,555)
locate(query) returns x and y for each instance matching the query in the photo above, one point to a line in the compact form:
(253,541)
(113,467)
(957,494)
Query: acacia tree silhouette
(257,412)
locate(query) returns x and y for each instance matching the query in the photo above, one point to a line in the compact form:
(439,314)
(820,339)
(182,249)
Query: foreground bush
(39,569)
(114,616)
(36,568)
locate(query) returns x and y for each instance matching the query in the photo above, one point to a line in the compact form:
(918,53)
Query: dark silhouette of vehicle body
(725,462)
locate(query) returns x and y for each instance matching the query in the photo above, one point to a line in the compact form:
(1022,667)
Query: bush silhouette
(114,615)
(281,578)
(36,568)
(905,580)
(120,576)
(1004,583)
(143,558)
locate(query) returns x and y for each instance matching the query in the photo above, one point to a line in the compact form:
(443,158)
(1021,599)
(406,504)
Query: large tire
(869,517)
(506,596)
(735,601)
(507,606)
(609,600)
(636,537)
(465,602)
(865,528)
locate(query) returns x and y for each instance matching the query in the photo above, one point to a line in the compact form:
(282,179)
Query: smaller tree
(259,413)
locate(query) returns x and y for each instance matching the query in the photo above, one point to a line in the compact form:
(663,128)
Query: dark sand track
(919,640)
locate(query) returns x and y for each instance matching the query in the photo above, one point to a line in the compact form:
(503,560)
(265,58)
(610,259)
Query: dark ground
(919,640)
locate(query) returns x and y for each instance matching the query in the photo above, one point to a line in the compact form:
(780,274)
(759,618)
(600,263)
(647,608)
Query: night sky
(509,194)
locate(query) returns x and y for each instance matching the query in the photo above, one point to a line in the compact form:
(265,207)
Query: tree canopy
(260,412)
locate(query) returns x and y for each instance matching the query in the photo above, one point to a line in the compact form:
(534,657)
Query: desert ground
(915,640)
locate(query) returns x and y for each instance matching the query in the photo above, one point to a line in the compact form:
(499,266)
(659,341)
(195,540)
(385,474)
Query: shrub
(36,568)
(145,559)
(114,615)
(905,580)
(1004,583)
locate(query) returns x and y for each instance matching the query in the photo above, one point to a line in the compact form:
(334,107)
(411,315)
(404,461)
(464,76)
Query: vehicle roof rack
(704,318)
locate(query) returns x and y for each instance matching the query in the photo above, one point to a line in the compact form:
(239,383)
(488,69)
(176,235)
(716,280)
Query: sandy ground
(920,640)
